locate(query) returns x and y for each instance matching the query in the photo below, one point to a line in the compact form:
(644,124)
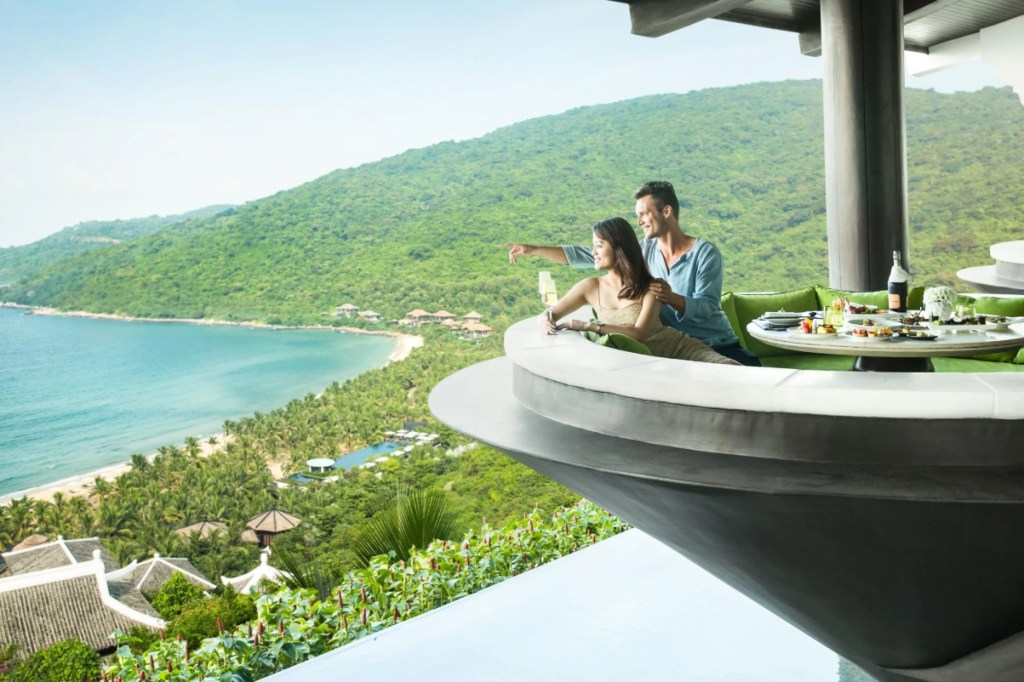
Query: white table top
(948,343)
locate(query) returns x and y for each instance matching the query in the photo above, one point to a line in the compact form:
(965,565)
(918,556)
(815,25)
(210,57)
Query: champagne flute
(548,294)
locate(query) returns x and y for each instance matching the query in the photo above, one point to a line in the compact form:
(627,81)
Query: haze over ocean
(78,394)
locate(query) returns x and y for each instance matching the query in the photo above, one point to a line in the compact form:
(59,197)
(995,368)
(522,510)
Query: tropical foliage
(17,262)
(422,228)
(67,661)
(293,626)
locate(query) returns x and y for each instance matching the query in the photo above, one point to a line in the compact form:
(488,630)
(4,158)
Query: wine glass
(548,294)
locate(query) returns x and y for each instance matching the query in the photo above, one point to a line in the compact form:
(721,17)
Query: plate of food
(974,323)
(916,333)
(873,333)
(913,317)
(868,323)
(820,330)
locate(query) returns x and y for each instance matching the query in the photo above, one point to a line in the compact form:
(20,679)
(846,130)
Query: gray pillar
(865,156)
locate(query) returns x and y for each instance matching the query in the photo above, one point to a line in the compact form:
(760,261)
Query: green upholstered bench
(741,308)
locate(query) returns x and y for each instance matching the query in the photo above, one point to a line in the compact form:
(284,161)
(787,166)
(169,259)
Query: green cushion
(751,306)
(973,365)
(880,299)
(835,363)
(619,341)
(729,307)
(994,305)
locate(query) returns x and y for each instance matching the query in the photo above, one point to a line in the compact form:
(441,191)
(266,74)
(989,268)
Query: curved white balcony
(879,513)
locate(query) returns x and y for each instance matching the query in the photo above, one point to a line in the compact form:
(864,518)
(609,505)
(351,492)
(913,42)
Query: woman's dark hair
(629,260)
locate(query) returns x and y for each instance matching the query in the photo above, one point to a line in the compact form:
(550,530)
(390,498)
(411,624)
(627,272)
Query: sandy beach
(81,485)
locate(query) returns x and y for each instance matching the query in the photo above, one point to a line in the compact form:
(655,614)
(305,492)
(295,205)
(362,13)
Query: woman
(623,299)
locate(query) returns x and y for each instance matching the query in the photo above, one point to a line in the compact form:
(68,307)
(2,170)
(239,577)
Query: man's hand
(663,292)
(516,250)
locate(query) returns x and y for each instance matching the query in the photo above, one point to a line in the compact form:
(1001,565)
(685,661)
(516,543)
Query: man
(687,270)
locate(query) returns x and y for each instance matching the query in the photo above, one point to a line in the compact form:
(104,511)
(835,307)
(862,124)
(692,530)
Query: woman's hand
(582,326)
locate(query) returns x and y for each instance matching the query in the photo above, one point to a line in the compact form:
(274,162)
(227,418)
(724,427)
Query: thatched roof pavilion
(203,529)
(270,523)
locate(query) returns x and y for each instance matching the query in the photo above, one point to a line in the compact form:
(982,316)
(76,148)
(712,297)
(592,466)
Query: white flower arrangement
(941,295)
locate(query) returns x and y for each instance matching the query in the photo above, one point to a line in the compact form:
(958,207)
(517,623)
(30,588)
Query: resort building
(261,575)
(263,527)
(54,554)
(443,316)
(68,596)
(474,330)
(347,310)
(472,316)
(149,576)
(370,316)
(418,317)
(203,529)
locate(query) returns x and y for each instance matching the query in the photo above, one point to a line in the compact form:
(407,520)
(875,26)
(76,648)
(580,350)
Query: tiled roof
(39,610)
(250,582)
(149,576)
(61,552)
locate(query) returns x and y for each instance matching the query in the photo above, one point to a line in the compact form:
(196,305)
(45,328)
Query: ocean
(78,394)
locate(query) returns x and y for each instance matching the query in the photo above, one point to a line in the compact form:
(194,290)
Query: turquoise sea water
(77,394)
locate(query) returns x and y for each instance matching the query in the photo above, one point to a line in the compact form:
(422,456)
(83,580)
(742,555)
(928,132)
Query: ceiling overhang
(926,22)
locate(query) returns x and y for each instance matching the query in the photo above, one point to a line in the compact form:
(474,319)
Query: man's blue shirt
(697,275)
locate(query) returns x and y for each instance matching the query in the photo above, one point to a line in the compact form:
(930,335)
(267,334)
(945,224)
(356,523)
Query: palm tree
(101,489)
(192,447)
(416,519)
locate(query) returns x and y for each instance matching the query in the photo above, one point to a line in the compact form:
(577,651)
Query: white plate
(861,322)
(875,317)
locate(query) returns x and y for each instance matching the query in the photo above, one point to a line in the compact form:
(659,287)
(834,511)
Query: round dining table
(896,353)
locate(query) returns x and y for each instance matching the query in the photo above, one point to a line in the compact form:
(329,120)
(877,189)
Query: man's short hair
(662,191)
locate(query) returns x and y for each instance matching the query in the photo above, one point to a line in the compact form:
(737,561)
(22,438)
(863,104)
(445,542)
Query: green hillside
(420,229)
(17,262)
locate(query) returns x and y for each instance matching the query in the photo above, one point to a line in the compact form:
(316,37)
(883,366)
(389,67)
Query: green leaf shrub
(69,661)
(292,626)
(174,595)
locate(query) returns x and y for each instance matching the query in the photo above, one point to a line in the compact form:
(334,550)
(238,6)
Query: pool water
(354,459)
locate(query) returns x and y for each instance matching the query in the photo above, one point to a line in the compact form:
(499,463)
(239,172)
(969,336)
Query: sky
(121,109)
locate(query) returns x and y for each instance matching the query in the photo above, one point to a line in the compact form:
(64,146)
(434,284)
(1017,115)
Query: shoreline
(406,342)
(81,485)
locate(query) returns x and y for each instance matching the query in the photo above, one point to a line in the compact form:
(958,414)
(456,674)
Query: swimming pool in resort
(354,459)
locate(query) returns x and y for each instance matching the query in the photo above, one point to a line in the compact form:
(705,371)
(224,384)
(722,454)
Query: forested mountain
(421,229)
(17,262)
